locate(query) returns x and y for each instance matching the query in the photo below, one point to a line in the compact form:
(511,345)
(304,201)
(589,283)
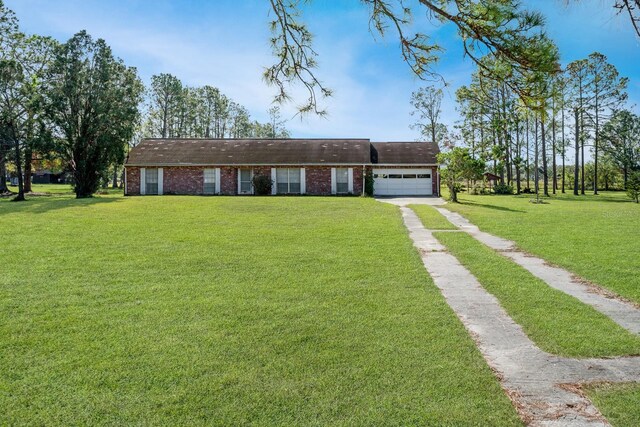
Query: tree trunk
(564,149)
(625,172)
(505,136)
(582,143)
(545,174)
(454,194)
(114,183)
(577,148)
(85,180)
(527,157)
(595,155)
(18,160)
(595,146)
(518,151)
(28,157)
(3,176)
(535,161)
(122,179)
(554,165)
(433,133)
(164,123)
(563,171)
(582,169)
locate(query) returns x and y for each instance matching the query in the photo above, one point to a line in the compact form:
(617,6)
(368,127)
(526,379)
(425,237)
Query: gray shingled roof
(394,153)
(185,152)
(152,152)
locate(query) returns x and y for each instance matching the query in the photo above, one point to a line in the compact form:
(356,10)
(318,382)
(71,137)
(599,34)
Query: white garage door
(402,182)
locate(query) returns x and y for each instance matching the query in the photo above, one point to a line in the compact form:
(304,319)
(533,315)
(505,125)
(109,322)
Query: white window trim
(274,176)
(160,181)
(334,181)
(274,184)
(216,180)
(350,180)
(240,182)
(143,181)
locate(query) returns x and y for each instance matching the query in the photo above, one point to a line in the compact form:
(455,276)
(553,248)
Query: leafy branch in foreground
(292,46)
(631,8)
(499,28)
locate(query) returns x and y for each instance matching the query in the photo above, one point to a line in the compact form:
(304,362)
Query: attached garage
(402,182)
(404,169)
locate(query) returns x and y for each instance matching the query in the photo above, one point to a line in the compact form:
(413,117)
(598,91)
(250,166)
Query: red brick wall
(183,180)
(228,181)
(133,182)
(318,180)
(357,180)
(190,180)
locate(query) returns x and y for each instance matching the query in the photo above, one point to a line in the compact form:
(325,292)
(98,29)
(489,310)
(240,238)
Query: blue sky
(225,43)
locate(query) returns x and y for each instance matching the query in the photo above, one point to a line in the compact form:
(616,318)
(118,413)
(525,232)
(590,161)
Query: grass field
(619,403)
(595,237)
(228,311)
(556,322)
(58,190)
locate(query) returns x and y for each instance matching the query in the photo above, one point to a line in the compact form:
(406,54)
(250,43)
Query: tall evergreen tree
(621,141)
(578,74)
(93,101)
(427,106)
(164,97)
(608,93)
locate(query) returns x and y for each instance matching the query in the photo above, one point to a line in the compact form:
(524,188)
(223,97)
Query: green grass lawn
(596,237)
(431,218)
(556,322)
(58,189)
(619,403)
(228,311)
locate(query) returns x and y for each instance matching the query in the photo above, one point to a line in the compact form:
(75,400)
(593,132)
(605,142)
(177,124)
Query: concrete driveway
(404,201)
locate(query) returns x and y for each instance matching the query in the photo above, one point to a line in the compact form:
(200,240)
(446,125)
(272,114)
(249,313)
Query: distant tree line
(75,106)
(541,138)
(173,110)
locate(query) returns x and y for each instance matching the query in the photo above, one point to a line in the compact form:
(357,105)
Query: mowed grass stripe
(556,322)
(619,403)
(595,237)
(431,218)
(229,311)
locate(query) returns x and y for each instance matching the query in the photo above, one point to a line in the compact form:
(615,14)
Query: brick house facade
(323,167)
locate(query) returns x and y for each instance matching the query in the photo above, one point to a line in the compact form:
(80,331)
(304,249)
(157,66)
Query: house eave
(412,165)
(142,165)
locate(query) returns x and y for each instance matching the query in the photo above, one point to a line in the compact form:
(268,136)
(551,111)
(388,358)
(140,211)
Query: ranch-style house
(296,166)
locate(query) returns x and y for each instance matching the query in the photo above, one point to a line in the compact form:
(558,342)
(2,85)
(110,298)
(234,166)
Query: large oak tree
(92,99)
(23,63)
